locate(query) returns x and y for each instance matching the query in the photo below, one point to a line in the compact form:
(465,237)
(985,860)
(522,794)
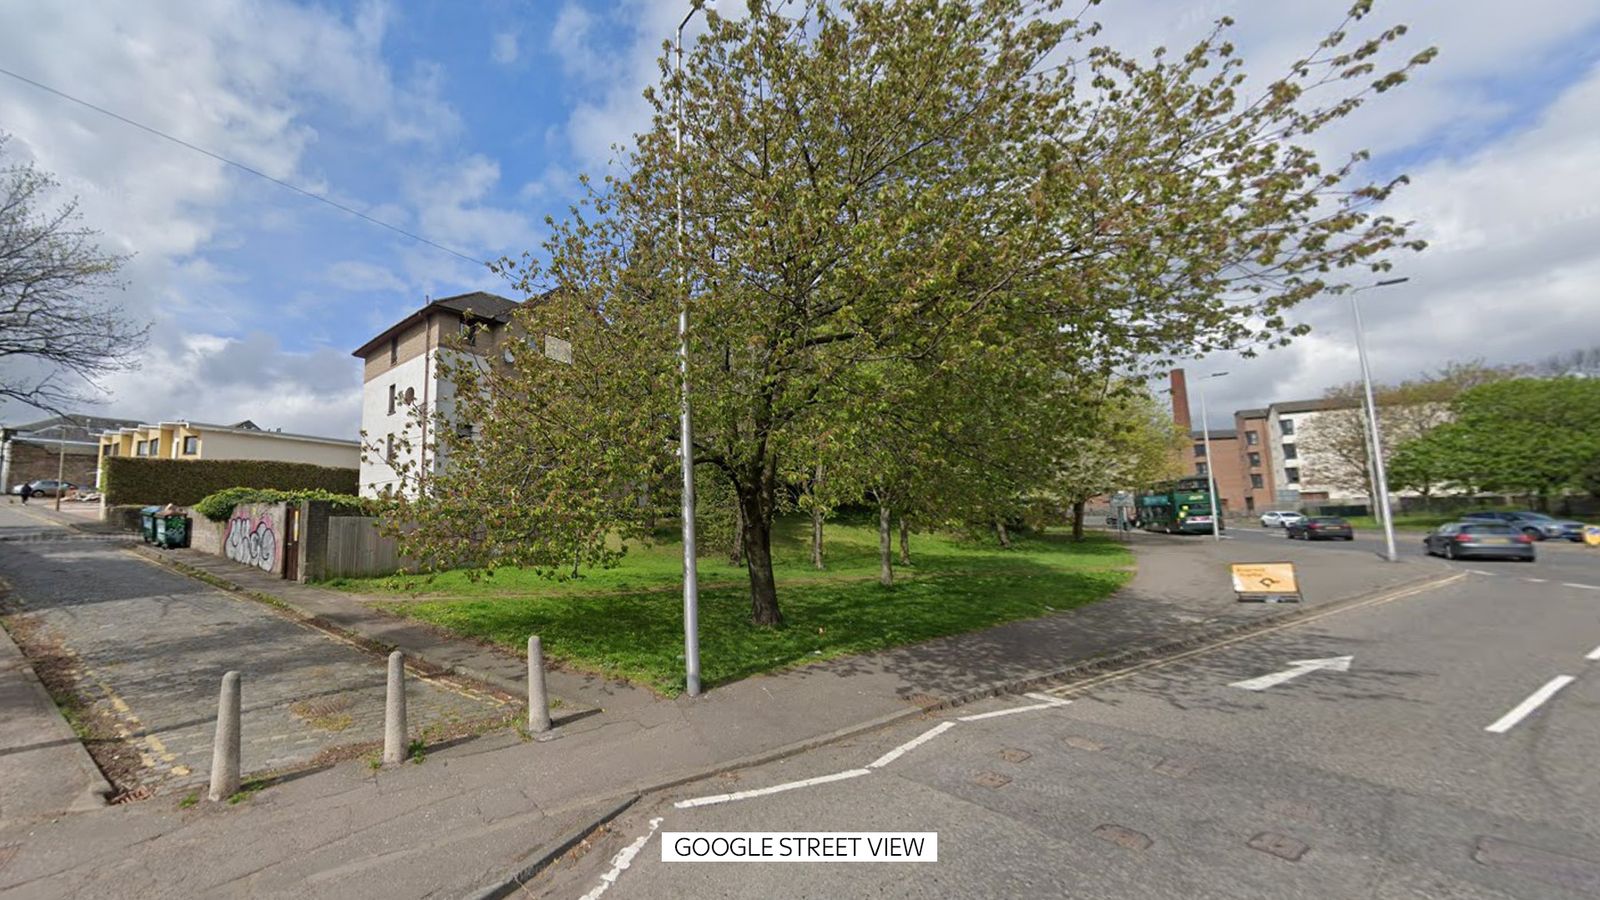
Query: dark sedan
(1321,528)
(1476,540)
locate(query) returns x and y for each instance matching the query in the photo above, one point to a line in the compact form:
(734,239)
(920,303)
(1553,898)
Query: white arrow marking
(1296,669)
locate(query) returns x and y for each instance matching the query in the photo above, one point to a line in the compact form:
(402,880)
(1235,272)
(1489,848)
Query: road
(1454,757)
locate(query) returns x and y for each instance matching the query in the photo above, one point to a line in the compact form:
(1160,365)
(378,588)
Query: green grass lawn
(1406,521)
(628,621)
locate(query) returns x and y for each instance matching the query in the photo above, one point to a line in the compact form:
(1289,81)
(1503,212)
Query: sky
(469,123)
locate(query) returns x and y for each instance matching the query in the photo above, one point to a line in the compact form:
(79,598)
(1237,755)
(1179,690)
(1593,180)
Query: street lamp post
(1211,469)
(691,579)
(1374,433)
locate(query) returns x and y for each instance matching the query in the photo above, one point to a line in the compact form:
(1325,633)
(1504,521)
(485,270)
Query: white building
(402,390)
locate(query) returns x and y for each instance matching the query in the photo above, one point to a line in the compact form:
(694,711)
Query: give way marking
(1296,669)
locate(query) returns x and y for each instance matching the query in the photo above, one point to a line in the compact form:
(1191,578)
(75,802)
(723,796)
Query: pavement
(480,809)
(1422,755)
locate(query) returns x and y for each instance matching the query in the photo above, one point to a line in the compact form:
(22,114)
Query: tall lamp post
(1211,470)
(1374,433)
(691,578)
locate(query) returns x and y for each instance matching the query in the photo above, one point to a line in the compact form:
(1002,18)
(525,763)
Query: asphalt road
(1426,769)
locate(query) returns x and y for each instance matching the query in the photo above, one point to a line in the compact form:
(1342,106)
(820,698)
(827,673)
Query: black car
(1321,528)
(1479,539)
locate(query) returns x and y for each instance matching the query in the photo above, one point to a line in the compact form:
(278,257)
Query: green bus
(1178,507)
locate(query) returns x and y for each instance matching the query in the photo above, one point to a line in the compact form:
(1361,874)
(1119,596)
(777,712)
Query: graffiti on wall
(251,541)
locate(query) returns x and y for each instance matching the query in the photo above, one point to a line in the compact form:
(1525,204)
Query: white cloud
(353,275)
(503,48)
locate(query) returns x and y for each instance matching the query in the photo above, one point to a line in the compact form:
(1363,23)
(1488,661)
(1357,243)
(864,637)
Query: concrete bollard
(225,749)
(394,713)
(538,699)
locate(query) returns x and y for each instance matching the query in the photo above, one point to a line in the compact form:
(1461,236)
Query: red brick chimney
(1180,401)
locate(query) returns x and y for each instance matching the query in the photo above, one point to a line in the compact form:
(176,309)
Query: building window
(1292,475)
(391,399)
(1200,469)
(191,445)
(1286,426)
(394,350)
(1251,438)
(1256,482)
(1199,449)
(388,450)
(1255,460)
(469,333)
(142,448)
(1289,452)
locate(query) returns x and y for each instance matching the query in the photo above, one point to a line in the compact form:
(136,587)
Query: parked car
(50,487)
(1476,539)
(1535,525)
(1321,528)
(1280,518)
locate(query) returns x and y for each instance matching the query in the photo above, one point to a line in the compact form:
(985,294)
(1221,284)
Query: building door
(291,542)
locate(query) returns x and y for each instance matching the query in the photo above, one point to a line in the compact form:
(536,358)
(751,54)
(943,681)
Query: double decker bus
(1178,507)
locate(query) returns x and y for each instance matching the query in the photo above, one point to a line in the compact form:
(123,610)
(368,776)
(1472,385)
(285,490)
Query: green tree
(906,224)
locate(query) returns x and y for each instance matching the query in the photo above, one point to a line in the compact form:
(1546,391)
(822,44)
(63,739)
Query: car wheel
(1450,551)
(1350,538)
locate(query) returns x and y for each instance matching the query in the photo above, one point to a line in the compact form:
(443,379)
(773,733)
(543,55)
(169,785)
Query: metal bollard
(225,749)
(538,699)
(394,713)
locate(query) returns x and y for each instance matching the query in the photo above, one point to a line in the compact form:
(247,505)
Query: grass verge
(627,621)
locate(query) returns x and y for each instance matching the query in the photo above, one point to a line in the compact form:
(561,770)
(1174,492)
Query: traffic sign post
(1266,582)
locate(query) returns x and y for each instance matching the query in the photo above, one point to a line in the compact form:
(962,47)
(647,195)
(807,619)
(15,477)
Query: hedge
(219,506)
(151,482)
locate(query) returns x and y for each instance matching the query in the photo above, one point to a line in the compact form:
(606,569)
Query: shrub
(218,506)
(146,482)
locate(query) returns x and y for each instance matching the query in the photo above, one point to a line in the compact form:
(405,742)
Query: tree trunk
(885,542)
(816,537)
(758,553)
(736,548)
(1001,533)
(905,542)
(1077,520)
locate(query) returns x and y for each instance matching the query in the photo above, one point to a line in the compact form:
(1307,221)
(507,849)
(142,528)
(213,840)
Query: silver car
(1280,518)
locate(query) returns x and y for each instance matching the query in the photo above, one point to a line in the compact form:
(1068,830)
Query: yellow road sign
(1264,578)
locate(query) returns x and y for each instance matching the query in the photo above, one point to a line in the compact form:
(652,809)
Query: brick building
(69,444)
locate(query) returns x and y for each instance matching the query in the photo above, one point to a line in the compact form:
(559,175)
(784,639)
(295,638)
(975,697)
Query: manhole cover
(1082,743)
(992,780)
(1279,845)
(1126,838)
(1013,755)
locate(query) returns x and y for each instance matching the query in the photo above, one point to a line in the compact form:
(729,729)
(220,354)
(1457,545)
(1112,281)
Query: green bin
(172,531)
(147,523)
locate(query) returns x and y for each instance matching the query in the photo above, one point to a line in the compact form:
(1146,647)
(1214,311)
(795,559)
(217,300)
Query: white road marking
(1586,587)
(1296,669)
(1593,654)
(775,789)
(1508,721)
(910,745)
(1482,572)
(1013,711)
(1053,701)
(622,861)
(1535,580)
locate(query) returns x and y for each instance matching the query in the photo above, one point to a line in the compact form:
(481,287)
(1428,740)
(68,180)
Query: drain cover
(992,780)
(1279,845)
(1082,743)
(1173,768)
(1013,755)
(1126,838)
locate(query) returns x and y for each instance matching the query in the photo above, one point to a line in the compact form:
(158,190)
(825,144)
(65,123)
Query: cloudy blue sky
(469,122)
